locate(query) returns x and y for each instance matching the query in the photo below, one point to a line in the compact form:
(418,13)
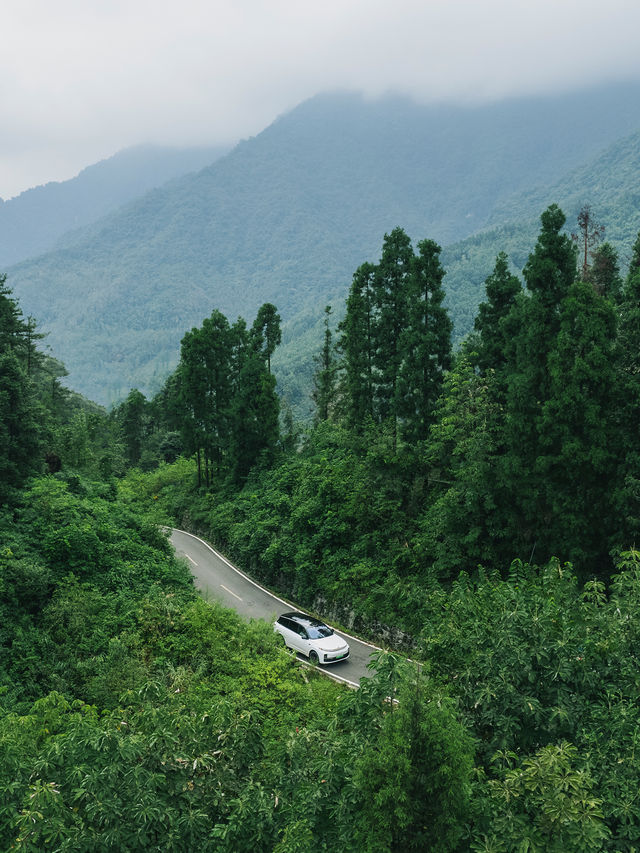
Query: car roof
(303,619)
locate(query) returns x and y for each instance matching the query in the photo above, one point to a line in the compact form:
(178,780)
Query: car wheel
(313,657)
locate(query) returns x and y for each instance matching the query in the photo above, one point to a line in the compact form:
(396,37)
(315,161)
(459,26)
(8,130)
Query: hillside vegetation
(287,216)
(479,510)
(33,222)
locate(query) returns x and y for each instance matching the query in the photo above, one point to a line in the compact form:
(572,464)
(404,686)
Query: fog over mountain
(86,79)
(288,215)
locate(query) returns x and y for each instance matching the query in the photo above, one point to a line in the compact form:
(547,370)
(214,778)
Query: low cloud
(80,80)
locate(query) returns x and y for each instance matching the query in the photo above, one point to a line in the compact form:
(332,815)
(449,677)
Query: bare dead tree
(589,235)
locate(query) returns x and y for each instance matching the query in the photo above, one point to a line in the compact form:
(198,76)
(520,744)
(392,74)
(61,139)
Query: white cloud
(80,79)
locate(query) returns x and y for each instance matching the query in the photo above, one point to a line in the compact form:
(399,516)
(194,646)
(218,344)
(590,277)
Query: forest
(474,509)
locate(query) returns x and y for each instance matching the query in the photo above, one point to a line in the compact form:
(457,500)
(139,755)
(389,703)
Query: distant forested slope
(288,215)
(32,222)
(610,184)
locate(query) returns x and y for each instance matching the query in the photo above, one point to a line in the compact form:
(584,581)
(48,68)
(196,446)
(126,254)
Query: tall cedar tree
(577,433)
(425,343)
(357,347)
(555,453)
(255,406)
(20,432)
(396,339)
(560,388)
(324,378)
(463,524)
(12,326)
(205,374)
(392,282)
(502,288)
(266,332)
(627,493)
(34,359)
(605,273)
(254,415)
(20,412)
(133,418)
(227,393)
(190,374)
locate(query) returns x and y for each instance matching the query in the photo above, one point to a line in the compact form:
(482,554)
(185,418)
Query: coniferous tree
(217,346)
(222,395)
(12,325)
(502,288)
(266,331)
(396,339)
(241,343)
(255,405)
(324,378)
(425,343)
(627,493)
(464,525)
(577,440)
(534,323)
(551,267)
(167,403)
(21,416)
(52,393)
(604,273)
(33,357)
(629,332)
(549,273)
(254,415)
(634,263)
(190,381)
(391,288)
(132,416)
(413,779)
(21,429)
(206,392)
(357,346)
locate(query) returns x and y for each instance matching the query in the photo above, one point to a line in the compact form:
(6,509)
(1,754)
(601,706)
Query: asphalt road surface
(216,576)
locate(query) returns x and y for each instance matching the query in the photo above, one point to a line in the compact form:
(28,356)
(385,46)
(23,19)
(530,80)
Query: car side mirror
(304,634)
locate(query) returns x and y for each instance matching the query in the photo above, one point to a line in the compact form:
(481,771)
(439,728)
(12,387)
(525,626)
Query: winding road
(215,576)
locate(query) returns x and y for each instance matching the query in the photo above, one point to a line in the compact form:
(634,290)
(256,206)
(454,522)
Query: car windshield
(316,632)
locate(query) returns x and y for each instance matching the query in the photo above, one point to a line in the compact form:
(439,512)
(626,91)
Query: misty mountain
(610,183)
(288,215)
(34,221)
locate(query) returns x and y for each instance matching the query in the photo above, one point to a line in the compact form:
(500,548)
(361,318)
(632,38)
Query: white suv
(311,637)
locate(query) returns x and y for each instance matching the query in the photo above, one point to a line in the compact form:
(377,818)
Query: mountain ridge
(288,215)
(32,222)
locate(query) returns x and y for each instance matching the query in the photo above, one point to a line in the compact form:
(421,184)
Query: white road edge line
(268,592)
(226,589)
(191,559)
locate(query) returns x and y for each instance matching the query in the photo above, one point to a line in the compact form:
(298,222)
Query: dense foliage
(135,715)
(482,513)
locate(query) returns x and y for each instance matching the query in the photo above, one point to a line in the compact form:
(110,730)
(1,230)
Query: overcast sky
(82,79)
